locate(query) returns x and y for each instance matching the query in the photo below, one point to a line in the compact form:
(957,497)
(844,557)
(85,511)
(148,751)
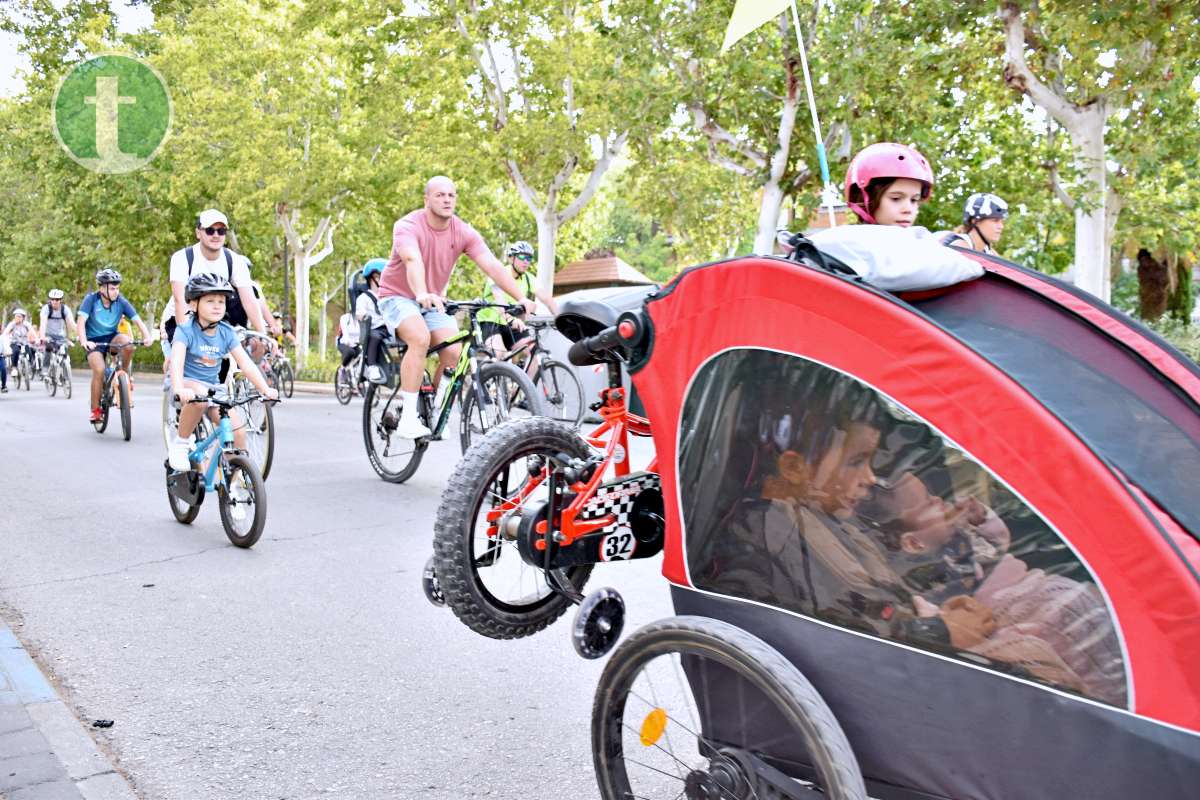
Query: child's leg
(190,413)
(375,344)
(239,429)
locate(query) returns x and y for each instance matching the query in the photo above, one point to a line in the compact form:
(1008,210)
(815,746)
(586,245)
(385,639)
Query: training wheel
(429,582)
(598,623)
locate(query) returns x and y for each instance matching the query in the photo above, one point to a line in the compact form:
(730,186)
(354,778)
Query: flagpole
(812,108)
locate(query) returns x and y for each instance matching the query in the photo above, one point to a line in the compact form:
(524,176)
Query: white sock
(408,407)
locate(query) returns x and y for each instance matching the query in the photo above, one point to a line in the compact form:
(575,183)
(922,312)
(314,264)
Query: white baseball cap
(211,217)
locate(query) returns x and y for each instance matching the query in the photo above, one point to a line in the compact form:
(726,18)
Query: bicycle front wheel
(49,382)
(561,392)
(485,580)
(243,501)
(126,411)
(393,458)
(27,374)
(343,385)
(507,393)
(695,707)
(64,371)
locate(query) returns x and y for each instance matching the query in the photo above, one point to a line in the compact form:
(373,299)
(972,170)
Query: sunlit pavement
(310,666)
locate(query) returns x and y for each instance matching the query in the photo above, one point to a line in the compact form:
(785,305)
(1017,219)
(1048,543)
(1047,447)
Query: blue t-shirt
(205,350)
(103,321)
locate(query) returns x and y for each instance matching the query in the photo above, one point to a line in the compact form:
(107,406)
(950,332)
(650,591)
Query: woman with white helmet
(22,335)
(982,225)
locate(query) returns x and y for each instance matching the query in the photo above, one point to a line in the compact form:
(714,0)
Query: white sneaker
(412,429)
(374,374)
(177,455)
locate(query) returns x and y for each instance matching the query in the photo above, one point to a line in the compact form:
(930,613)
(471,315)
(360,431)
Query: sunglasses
(526,259)
(211,231)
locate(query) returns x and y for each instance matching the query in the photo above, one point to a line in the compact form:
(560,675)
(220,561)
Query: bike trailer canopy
(968,515)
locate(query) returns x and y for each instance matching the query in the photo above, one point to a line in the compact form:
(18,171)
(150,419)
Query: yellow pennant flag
(748,15)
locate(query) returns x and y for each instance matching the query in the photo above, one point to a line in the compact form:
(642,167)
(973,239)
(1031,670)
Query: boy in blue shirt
(100,315)
(197,350)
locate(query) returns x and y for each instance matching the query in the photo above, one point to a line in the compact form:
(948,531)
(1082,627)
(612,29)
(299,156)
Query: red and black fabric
(957,359)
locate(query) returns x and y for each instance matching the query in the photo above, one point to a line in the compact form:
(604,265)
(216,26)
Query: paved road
(308,667)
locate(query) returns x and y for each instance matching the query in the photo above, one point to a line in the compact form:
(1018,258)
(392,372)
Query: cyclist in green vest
(500,330)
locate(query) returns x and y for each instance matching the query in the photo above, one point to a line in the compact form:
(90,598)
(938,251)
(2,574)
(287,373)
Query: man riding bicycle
(501,330)
(425,245)
(54,326)
(100,315)
(209,255)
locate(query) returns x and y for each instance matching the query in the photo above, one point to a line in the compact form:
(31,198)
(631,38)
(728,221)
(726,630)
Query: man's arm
(181,307)
(414,270)
(41,329)
(81,327)
(147,337)
(253,309)
(548,299)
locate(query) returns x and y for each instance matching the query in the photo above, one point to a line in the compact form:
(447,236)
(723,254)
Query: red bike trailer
(1082,424)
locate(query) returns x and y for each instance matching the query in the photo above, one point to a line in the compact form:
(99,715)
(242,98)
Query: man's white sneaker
(177,455)
(374,374)
(412,429)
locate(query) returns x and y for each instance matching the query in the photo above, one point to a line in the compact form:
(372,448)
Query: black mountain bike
(488,392)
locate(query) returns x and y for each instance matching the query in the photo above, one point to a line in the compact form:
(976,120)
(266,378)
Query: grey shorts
(396,309)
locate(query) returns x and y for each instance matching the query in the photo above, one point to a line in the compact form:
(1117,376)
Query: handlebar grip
(589,350)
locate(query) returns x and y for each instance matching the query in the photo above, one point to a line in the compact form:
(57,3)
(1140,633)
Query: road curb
(45,752)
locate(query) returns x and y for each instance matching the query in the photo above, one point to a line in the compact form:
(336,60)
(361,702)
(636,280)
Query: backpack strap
(374,299)
(190,255)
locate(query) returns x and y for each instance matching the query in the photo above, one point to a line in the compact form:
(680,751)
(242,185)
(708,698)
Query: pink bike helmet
(884,160)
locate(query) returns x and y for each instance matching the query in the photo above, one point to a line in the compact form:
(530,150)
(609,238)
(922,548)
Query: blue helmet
(373,266)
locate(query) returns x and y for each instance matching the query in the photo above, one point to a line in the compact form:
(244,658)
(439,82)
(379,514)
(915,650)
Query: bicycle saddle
(578,319)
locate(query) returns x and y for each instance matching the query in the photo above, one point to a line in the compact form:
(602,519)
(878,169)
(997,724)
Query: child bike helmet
(884,160)
(203,283)
(984,206)
(374,266)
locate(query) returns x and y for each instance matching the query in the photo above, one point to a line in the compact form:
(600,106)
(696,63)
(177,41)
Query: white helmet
(984,206)
(55,294)
(22,312)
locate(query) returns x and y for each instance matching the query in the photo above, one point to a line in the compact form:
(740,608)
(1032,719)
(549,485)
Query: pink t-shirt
(439,251)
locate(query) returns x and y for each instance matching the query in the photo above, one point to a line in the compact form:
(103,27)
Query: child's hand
(186,395)
(974,511)
(925,609)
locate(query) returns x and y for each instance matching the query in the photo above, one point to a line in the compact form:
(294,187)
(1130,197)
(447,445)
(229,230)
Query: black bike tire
(342,397)
(105,407)
(563,377)
(65,371)
(27,373)
(488,371)
(269,456)
(126,411)
(232,463)
(754,660)
(454,526)
(289,381)
(50,380)
(410,469)
(183,515)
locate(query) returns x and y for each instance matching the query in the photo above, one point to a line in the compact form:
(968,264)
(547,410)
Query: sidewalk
(45,752)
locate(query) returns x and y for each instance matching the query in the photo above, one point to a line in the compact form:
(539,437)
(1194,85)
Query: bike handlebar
(453,306)
(604,345)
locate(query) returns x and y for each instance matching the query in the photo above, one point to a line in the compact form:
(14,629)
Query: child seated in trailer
(197,351)
(942,550)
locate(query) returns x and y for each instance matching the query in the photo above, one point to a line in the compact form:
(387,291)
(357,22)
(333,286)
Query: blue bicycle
(218,466)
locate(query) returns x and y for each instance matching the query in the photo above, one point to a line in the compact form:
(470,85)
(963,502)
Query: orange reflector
(653,727)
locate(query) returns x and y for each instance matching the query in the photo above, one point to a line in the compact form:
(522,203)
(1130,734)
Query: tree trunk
(323,332)
(772,190)
(1091,223)
(1153,281)
(768,218)
(303,304)
(547,228)
(1181,301)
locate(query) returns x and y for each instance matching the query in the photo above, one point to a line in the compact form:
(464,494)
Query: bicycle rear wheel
(243,500)
(260,433)
(288,378)
(343,385)
(394,459)
(561,392)
(126,411)
(695,707)
(508,393)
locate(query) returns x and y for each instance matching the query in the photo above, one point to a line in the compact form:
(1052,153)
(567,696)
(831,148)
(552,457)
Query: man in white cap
(209,254)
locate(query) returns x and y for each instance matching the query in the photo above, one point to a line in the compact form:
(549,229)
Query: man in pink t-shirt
(425,246)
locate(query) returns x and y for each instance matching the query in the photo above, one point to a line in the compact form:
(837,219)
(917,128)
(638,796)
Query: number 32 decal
(617,546)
